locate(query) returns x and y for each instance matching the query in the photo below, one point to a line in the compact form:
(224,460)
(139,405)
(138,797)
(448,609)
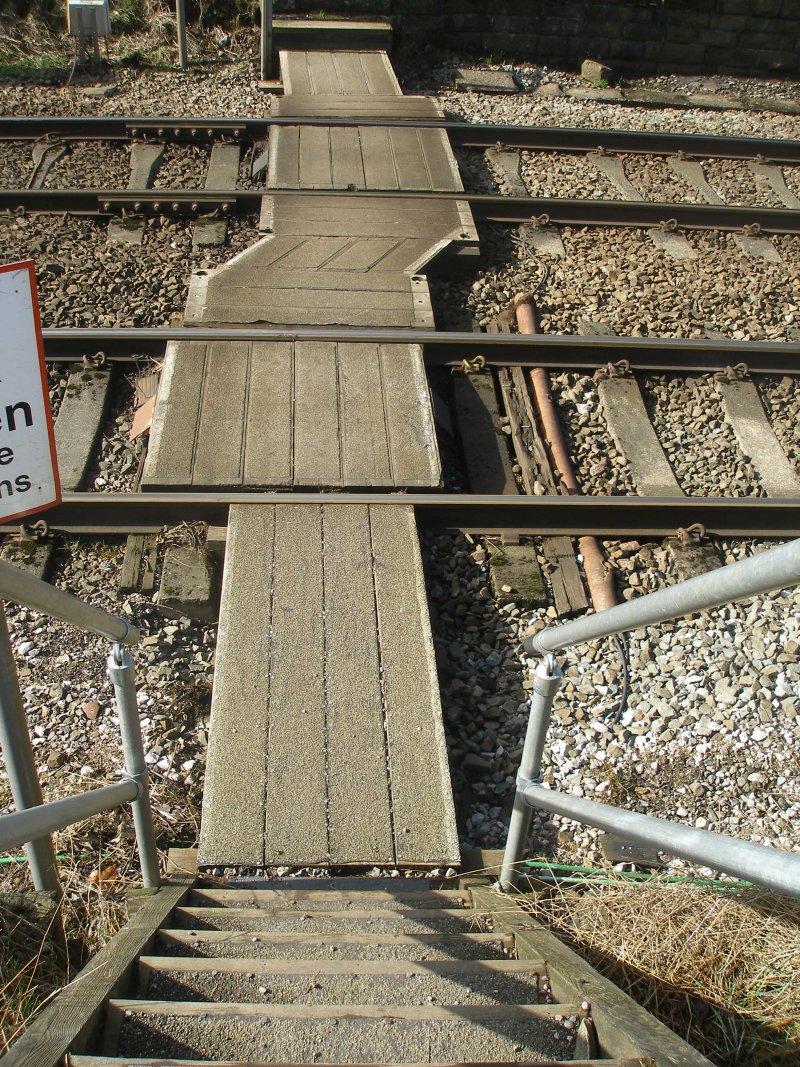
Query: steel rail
(485,207)
(610,517)
(443,349)
(463,134)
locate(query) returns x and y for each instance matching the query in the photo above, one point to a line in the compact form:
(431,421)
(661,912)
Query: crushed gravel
(70,703)
(707,734)
(85,281)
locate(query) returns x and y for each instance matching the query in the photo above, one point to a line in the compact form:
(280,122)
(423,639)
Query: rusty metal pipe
(598,576)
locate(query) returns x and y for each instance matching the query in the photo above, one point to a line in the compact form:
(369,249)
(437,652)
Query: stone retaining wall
(723,36)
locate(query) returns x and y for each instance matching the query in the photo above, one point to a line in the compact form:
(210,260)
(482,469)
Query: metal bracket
(139,780)
(522,782)
(691,535)
(620,369)
(751,229)
(540,221)
(737,373)
(154,205)
(668,225)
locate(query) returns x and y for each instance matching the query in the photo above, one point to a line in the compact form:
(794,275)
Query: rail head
(31,592)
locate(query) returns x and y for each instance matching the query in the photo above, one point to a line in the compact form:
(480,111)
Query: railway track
(342,570)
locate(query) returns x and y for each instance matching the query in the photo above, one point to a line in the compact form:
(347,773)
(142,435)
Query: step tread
(239,936)
(147,1061)
(417,1013)
(267,945)
(331,898)
(334,913)
(260,965)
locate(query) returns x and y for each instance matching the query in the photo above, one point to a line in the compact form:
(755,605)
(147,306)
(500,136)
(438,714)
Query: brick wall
(723,36)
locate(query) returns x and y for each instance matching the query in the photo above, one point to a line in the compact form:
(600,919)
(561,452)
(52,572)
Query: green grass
(39,66)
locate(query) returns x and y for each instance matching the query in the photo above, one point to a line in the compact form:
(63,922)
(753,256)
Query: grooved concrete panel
(330,261)
(338,74)
(255,414)
(326,739)
(334,157)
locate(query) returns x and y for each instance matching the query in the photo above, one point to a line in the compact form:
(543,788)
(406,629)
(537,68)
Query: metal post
(774,569)
(266,39)
(123,676)
(180,12)
(17,750)
(546,683)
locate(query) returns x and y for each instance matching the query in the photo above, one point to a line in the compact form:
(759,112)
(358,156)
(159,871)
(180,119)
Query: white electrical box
(88,18)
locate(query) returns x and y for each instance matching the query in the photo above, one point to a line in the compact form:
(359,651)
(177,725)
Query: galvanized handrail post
(180,19)
(122,673)
(15,743)
(546,683)
(773,569)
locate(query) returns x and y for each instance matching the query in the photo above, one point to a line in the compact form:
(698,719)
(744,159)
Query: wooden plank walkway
(363,157)
(257,415)
(326,742)
(328,261)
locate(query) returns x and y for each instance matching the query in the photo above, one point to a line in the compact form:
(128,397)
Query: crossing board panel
(271,414)
(343,701)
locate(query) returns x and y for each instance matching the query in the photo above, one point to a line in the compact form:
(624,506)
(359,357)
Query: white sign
(28,466)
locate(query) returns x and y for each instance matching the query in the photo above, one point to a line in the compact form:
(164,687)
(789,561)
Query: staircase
(347,971)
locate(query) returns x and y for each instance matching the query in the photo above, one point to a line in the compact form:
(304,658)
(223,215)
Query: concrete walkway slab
(334,157)
(334,243)
(745,412)
(326,741)
(306,414)
(635,437)
(338,74)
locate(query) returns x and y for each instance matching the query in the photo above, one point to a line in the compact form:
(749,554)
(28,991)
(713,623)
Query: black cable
(615,714)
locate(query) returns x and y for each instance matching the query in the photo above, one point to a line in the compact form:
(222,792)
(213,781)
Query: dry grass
(98,866)
(721,969)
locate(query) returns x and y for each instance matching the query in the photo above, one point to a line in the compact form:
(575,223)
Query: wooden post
(266,39)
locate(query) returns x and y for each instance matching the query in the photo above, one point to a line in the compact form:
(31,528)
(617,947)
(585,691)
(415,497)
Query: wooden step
(354,920)
(216,944)
(343,982)
(147,1061)
(352,1034)
(327,900)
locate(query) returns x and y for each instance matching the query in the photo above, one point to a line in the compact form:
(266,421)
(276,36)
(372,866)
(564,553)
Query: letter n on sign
(28,465)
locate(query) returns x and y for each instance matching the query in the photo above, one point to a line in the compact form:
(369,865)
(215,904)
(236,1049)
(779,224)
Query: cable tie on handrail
(522,782)
(139,780)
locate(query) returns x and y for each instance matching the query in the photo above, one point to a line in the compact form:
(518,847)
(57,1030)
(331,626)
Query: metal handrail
(31,592)
(770,867)
(34,821)
(762,573)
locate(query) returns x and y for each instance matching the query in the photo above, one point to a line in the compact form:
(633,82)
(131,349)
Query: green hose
(601,876)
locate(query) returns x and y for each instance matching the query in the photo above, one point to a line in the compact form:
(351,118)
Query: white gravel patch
(706,737)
